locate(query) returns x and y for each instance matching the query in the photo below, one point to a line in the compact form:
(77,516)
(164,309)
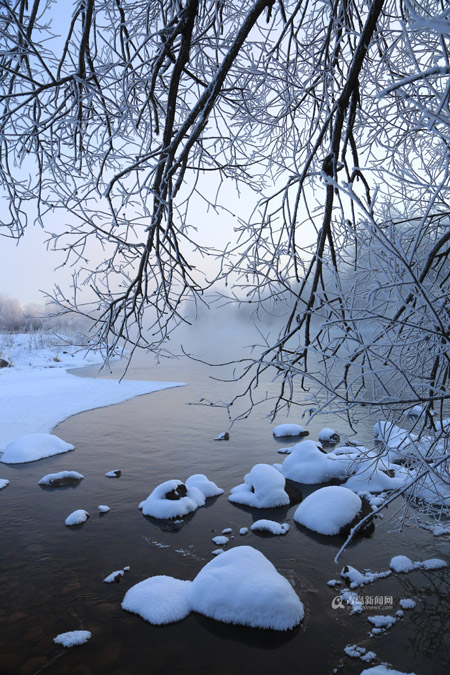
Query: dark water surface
(51,576)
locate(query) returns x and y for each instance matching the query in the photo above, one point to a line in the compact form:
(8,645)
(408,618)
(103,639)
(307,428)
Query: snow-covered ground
(37,391)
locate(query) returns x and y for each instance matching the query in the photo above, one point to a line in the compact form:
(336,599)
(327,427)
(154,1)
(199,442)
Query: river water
(51,576)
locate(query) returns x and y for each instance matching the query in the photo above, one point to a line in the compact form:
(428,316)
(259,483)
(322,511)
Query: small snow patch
(114,576)
(383,670)
(72,638)
(401,563)
(115,473)
(3,483)
(356,578)
(77,517)
(356,652)
(220,540)
(264,525)
(407,603)
(103,508)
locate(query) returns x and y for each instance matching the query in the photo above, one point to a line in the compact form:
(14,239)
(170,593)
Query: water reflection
(51,576)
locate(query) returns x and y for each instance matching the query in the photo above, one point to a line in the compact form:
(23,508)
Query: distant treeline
(32,318)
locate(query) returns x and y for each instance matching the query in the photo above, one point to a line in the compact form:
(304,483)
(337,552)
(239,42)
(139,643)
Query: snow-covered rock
(401,563)
(220,540)
(115,473)
(327,435)
(271,526)
(328,510)
(3,483)
(377,475)
(159,600)
(283,430)
(239,586)
(307,464)
(77,517)
(263,488)
(172,499)
(103,508)
(383,670)
(208,487)
(61,478)
(444,426)
(114,576)
(415,411)
(392,436)
(356,652)
(356,578)
(72,638)
(382,621)
(32,447)
(242,587)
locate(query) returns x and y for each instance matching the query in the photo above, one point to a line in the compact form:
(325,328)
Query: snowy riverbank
(37,392)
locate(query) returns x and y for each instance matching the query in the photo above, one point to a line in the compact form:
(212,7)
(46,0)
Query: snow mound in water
(328,509)
(32,447)
(263,488)
(159,599)
(242,587)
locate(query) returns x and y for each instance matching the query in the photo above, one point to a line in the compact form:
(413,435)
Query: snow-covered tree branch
(334,115)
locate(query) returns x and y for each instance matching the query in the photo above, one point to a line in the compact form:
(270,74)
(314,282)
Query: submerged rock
(283,430)
(61,478)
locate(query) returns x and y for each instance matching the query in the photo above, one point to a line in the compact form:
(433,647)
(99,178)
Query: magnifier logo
(337,603)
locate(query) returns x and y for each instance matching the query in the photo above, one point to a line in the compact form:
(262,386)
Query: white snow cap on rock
(272,526)
(158,506)
(242,587)
(401,563)
(32,447)
(307,464)
(383,670)
(72,638)
(289,430)
(159,599)
(3,482)
(328,509)
(263,488)
(208,487)
(77,517)
(372,476)
(239,586)
(327,435)
(61,475)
